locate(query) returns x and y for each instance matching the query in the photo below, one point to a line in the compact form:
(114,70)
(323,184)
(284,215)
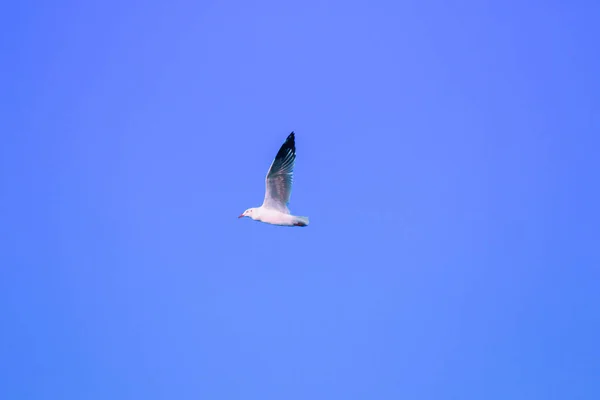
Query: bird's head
(251,212)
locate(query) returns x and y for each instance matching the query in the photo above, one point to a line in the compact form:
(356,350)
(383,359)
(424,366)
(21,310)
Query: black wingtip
(290,140)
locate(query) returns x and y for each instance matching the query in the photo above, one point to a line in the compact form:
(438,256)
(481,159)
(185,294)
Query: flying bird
(279,180)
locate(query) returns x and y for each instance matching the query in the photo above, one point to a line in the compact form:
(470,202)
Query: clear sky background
(447,159)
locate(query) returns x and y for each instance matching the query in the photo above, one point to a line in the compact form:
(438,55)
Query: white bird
(279,180)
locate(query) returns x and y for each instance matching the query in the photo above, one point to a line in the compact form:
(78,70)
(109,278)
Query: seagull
(279,179)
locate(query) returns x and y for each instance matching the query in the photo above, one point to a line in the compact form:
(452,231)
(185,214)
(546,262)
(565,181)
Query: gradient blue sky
(447,158)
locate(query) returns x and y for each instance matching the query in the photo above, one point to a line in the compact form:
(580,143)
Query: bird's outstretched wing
(280,177)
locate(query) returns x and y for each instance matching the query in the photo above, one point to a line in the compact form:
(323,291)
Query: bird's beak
(241,215)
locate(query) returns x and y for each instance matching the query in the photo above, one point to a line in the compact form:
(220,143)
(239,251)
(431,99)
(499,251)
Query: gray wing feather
(280,177)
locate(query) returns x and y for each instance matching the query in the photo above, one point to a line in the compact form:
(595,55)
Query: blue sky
(446,159)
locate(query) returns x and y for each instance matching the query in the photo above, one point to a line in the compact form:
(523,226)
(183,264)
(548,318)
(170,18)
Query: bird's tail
(301,221)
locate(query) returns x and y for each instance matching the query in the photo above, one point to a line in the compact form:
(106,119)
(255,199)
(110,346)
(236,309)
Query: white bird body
(279,180)
(274,217)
